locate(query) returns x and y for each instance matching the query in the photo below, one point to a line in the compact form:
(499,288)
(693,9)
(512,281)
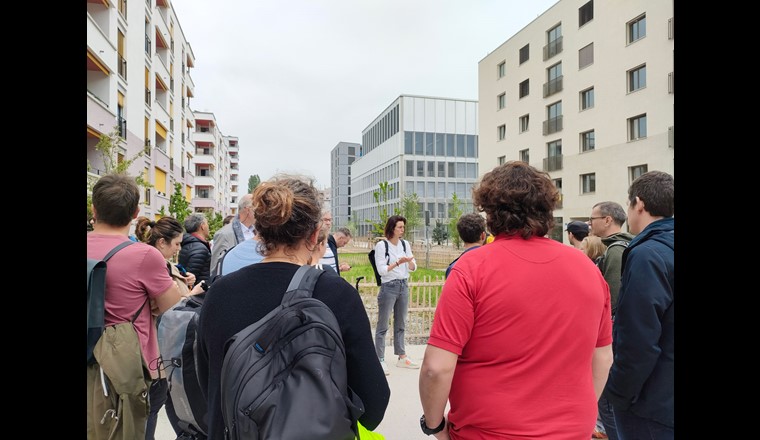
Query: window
(587,99)
(587,141)
(637,78)
(429,147)
(525,155)
(408,142)
(441,169)
(501,69)
(420,168)
(352,151)
(554,160)
(440,146)
(637,28)
(588,183)
(637,127)
(501,160)
(419,143)
(431,168)
(460,145)
(410,168)
(471,147)
(501,101)
(586,13)
(554,80)
(449,145)
(502,132)
(586,56)
(524,120)
(524,53)
(554,39)
(553,123)
(636,171)
(452,168)
(525,88)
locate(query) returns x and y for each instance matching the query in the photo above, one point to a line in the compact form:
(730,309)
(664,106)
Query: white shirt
(394,253)
(247,232)
(328,259)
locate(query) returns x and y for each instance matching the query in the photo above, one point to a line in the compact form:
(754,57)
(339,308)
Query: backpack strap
(387,256)
(302,284)
(118,247)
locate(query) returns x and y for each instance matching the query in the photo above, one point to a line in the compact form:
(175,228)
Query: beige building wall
(616,157)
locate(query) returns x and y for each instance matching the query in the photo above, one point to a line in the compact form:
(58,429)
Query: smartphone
(182,270)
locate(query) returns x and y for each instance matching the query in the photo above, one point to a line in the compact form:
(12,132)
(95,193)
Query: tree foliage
(455,211)
(381,198)
(253,182)
(410,209)
(179,207)
(215,222)
(440,232)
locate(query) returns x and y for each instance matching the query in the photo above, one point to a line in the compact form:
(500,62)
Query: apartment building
(139,84)
(420,145)
(213,163)
(341,157)
(584,92)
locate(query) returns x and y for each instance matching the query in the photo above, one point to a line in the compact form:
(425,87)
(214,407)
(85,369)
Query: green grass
(360,267)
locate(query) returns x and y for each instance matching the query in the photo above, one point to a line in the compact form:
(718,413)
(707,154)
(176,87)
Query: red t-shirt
(133,272)
(524,316)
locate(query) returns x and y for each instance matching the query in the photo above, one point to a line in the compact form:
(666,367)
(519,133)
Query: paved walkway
(402,417)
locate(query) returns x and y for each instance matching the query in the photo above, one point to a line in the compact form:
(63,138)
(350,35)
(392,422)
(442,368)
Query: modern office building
(341,157)
(139,85)
(584,92)
(419,145)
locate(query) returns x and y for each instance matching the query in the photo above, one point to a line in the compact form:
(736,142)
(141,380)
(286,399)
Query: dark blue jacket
(334,248)
(642,375)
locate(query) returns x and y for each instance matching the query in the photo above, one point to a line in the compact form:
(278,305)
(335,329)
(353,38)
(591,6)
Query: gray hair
(614,210)
(194,221)
(345,231)
(245,202)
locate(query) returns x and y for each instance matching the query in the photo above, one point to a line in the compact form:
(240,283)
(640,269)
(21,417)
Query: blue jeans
(632,427)
(607,418)
(394,295)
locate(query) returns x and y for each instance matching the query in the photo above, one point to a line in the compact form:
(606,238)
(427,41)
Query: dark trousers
(607,418)
(156,398)
(632,427)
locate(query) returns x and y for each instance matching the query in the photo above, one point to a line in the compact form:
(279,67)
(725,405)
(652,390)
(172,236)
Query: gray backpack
(284,377)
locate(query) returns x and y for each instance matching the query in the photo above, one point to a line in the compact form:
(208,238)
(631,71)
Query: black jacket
(334,247)
(195,256)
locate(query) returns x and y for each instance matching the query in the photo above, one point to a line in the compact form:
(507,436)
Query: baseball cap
(578,228)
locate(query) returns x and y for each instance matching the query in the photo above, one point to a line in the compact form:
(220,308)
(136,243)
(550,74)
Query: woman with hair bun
(287,211)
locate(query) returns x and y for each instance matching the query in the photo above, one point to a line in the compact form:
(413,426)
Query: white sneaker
(407,363)
(385,368)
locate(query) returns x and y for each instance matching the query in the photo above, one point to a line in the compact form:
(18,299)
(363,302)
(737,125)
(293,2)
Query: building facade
(139,86)
(214,177)
(584,92)
(341,157)
(420,145)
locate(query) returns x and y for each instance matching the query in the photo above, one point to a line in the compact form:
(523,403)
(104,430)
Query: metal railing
(553,48)
(147,148)
(553,163)
(122,126)
(147,98)
(553,125)
(122,67)
(148,44)
(553,86)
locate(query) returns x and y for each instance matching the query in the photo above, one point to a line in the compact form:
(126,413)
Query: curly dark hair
(517,199)
(287,209)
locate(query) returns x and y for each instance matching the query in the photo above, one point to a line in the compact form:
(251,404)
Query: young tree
(215,223)
(410,209)
(253,182)
(440,232)
(381,198)
(179,207)
(107,147)
(455,211)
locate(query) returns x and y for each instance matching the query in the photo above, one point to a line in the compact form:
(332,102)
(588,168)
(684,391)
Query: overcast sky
(292,78)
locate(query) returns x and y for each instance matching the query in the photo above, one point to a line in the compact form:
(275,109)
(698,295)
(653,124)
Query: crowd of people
(530,338)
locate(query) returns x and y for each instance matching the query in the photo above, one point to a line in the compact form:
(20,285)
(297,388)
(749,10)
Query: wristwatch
(431,431)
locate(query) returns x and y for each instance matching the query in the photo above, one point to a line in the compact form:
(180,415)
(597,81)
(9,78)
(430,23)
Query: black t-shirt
(242,297)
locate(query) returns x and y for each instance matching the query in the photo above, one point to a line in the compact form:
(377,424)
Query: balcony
(553,48)
(552,125)
(122,127)
(203,136)
(553,163)
(122,67)
(205,181)
(148,148)
(553,86)
(148,101)
(148,45)
(101,48)
(190,85)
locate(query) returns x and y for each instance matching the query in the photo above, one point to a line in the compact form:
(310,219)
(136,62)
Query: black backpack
(177,333)
(371,257)
(96,298)
(284,377)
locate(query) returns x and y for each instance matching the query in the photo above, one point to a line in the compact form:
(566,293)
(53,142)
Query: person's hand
(404,259)
(153,307)
(344,267)
(444,434)
(197,289)
(190,279)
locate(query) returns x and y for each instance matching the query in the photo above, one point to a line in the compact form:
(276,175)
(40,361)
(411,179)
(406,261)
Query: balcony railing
(671,136)
(553,86)
(553,48)
(553,125)
(122,67)
(553,163)
(670,82)
(148,101)
(122,124)
(182,172)
(148,148)
(171,164)
(670,28)
(148,42)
